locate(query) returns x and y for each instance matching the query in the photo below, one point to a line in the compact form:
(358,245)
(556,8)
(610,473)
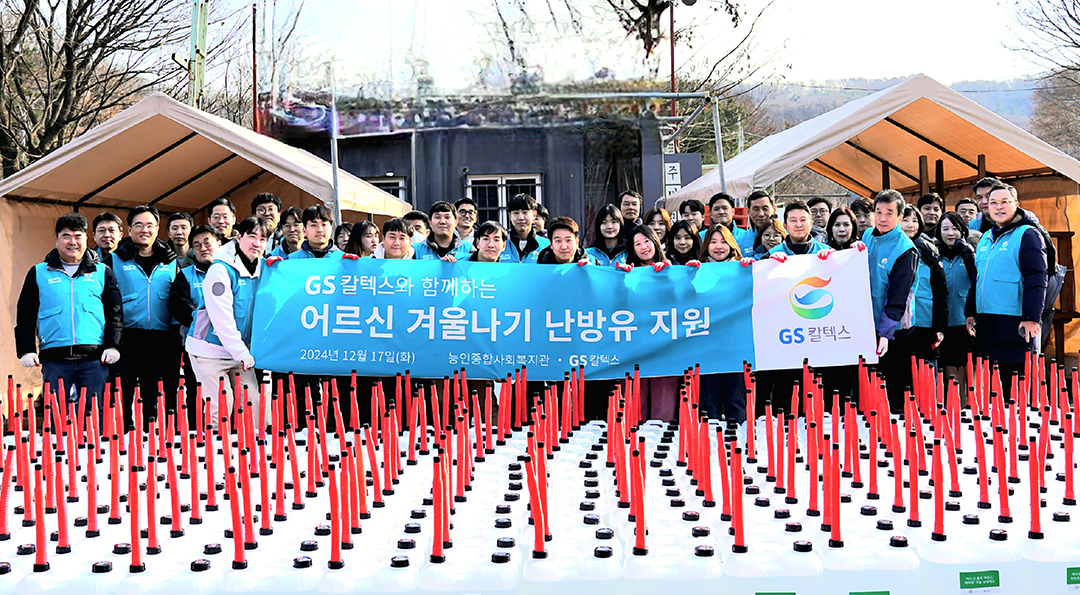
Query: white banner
(808,308)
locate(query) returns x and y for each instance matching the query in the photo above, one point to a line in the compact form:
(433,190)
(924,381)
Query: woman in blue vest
(145,268)
(930,308)
(767,237)
(608,248)
(220,333)
(1006,303)
(958,261)
(684,243)
(70,302)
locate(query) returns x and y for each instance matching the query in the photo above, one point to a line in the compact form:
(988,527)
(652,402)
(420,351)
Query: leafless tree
(1052,34)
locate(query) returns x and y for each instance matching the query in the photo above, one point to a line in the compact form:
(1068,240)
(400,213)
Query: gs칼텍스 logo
(809,300)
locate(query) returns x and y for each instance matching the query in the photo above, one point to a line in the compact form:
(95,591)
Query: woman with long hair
(683,243)
(608,248)
(770,235)
(841,229)
(363,239)
(659,221)
(341,235)
(958,261)
(720,245)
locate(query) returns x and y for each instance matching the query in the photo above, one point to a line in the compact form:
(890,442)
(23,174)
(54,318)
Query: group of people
(139,308)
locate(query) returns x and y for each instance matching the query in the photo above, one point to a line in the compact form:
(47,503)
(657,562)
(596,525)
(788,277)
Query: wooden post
(982,166)
(939,178)
(886,178)
(924,175)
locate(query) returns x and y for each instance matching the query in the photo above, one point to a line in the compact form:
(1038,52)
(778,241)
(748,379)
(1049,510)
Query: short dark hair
(465,200)
(837,213)
(721,196)
(71,222)
(320,212)
(986,182)
(795,205)
(219,202)
(415,216)
(759,194)
(521,202)
(293,212)
(356,236)
(442,207)
(640,199)
(488,228)
(930,198)
(965,201)
(139,210)
(562,223)
(695,238)
(107,216)
(180,217)
(343,227)
(542,212)
(204,229)
(819,200)
(862,205)
(891,197)
(253,224)
(606,211)
(263,198)
(997,185)
(693,205)
(396,225)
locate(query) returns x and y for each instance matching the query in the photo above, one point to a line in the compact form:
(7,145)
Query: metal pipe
(333,143)
(635,95)
(686,124)
(715,101)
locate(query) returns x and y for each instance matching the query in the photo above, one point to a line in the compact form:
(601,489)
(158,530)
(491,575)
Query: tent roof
(897,125)
(178,158)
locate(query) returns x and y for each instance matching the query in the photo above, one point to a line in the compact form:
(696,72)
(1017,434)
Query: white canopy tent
(896,135)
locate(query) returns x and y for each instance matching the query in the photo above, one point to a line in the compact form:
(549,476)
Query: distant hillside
(792,103)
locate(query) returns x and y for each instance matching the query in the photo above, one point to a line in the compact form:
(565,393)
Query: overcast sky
(949,40)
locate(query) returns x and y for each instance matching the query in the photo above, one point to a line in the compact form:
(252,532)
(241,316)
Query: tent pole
(715,101)
(334,143)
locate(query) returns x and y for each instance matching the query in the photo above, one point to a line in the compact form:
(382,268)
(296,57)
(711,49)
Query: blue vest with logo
(999,283)
(815,247)
(243,290)
(959,283)
(512,254)
(70,311)
(462,251)
(883,252)
(303,252)
(195,280)
(602,258)
(146,299)
(922,307)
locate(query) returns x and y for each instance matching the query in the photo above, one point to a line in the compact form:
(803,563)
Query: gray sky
(949,40)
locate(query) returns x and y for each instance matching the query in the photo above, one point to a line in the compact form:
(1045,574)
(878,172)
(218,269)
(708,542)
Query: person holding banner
(220,333)
(609,247)
(841,229)
(490,242)
(722,212)
(720,245)
(319,229)
(893,262)
(396,243)
(524,245)
(799,225)
(1004,310)
(767,238)
(684,243)
(71,303)
(145,268)
(364,239)
(564,248)
(441,243)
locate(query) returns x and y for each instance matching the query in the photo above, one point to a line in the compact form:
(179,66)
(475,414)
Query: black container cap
(884,525)
(792,527)
(500,557)
(121,549)
(700,531)
(26,549)
(999,535)
(5,568)
(803,546)
(781,513)
(406,544)
(868,510)
(101,567)
(412,528)
(506,543)
(418,513)
(322,530)
(665,472)
(898,541)
(704,551)
(514,466)
(511,497)
(592,519)
(587,506)
(1061,517)
(952,506)
(761,502)
(301,562)
(677,503)
(399,562)
(592,494)
(502,509)
(673,493)
(503,523)
(309,545)
(211,549)
(200,565)
(604,534)
(691,516)
(602,551)
(971,519)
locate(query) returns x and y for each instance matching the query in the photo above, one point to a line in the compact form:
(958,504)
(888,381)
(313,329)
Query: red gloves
(694,263)
(583,262)
(824,254)
(859,245)
(746,261)
(270,261)
(659,266)
(348,256)
(778,256)
(622,266)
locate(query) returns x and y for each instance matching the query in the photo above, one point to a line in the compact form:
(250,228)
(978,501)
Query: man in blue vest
(319,229)
(1006,304)
(71,303)
(441,243)
(220,334)
(722,211)
(145,268)
(108,229)
(524,244)
(185,296)
(798,223)
(893,261)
